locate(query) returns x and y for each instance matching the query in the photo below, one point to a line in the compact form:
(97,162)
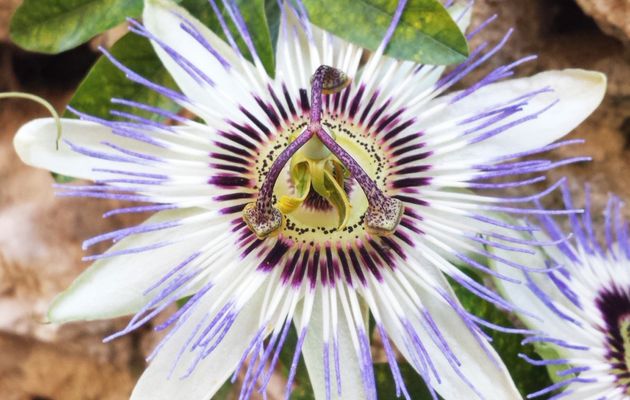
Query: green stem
(37,99)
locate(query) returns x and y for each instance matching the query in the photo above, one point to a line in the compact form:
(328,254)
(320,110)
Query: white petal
(579,92)
(461,12)
(112,287)
(182,158)
(210,374)
(521,296)
(36,144)
(352,385)
(489,377)
(164,19)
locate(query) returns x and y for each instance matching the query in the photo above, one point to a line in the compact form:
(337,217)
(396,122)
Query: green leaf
(548,351)
(528,378)
(386,386)
(182,302)
(226,392)
(105,80)
(254,13)
(273,14)
(425,34)
(52,26)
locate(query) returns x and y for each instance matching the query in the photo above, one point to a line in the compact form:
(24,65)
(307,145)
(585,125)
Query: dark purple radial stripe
(345,94)
(336,99)
(230,181)
(395,131)
(247,130)
(323,270)
(236,150)
(255,243)
(412,200)
(356,265)
(289,266)
(344,265)
(403,237)
(390,244)
(229,158)
(287,98)
(327,102)
(409,224)
(262,127)
(276,101)
(230,168)
(410,183)
(233,196)
(274,256)
(269,111)
(232,209)
(332,265)
(413,214)
(313,268)
(413,170)
(403,140)
(237,224)
(369,262)
(354,105)
(388,120)
(383,253)
(237,139)
(376,115)
(304,103)
(407,149)
(368,107)
(300,272)
(245,236)
(414,158)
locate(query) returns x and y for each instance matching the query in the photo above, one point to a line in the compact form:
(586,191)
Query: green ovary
(315,168)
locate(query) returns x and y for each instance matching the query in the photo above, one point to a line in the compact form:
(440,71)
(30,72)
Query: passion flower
(311,197)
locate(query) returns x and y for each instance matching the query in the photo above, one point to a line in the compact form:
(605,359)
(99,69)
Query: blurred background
(40,236)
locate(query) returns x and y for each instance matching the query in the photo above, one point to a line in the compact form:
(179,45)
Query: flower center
(624,333)
(614,304)
(315,170)
(321,163)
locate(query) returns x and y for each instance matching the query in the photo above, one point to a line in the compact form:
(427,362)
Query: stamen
(384,213)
